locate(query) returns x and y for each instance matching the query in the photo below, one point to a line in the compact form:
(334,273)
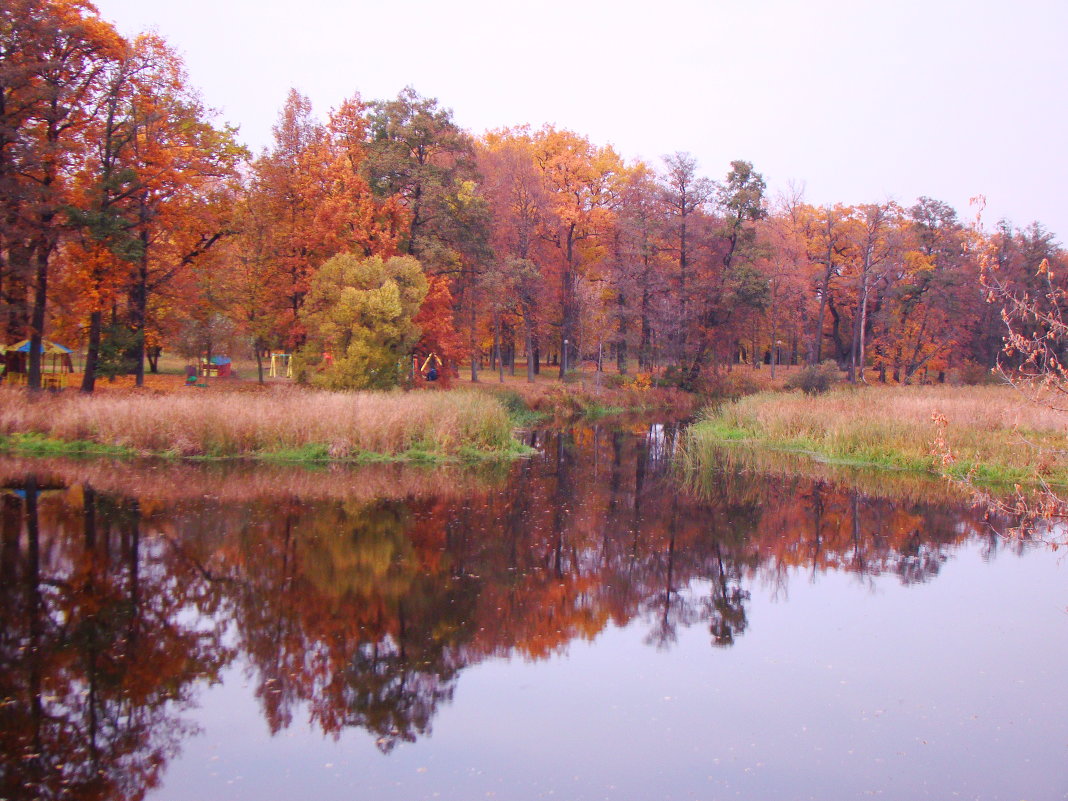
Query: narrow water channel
(583,624)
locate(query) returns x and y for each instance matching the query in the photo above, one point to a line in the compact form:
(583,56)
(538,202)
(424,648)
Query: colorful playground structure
(220,366)
(56,364)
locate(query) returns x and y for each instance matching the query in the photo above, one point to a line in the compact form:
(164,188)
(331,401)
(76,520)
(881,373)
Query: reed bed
(306,424)
(992,433)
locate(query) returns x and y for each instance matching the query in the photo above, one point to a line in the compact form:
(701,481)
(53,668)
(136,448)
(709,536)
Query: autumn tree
(582,182)
(875,247)
(360,321)
(417,154)
(783,264)
(730,285)
(517,198)
(253,298)
(647,304)
(307,200)
(932,302)
(824,233)
(180,205)
(54,58)
(685,194)
(104,244)
(282,195)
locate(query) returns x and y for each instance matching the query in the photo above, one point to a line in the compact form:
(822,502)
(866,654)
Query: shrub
(359,316)
(816,379)
(732,385)
(971,374)
(676,377)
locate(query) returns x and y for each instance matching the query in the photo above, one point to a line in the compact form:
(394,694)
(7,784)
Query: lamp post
(564,356)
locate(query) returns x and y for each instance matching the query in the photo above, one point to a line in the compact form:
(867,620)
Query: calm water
(580,625)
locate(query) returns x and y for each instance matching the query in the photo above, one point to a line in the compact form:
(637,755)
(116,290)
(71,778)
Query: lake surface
(583,624)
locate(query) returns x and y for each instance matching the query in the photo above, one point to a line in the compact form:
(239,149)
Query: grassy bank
(990,433)
(281,425)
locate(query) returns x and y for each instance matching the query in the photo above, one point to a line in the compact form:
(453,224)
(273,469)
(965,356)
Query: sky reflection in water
(580,626)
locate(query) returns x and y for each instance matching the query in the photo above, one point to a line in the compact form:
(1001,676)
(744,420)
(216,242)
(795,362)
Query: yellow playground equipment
(56,363)
(430,368)
(280,362)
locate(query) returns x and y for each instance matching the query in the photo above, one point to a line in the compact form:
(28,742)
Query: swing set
(281,362)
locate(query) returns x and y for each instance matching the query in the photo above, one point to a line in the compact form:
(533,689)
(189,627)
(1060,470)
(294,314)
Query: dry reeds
(991,430)
(336,425)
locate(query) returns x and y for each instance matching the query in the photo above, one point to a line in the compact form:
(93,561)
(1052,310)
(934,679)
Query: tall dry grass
(229,424)
(993,430)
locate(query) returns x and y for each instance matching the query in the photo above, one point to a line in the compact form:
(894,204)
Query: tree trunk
(856,352)
(863,329)
(14,292)
(774,341)
(92,354)
(37,314)
(139,304)
(570,310)
(258,347)
(500,360)
(474,354)
(530,356)
(816,348)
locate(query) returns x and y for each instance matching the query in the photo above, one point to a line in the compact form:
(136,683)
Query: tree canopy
(360,321)
(133,218)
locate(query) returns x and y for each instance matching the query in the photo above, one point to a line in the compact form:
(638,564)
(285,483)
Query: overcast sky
(857,101)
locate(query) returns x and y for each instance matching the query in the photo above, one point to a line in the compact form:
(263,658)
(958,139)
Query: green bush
(360,319)
(677,377)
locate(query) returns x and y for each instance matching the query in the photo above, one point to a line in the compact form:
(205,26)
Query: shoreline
(984,436)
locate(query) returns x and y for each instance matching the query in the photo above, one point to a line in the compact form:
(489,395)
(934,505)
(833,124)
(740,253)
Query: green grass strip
(48,447)
(40,446)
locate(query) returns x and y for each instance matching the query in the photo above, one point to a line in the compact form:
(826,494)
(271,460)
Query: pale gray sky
(859,101)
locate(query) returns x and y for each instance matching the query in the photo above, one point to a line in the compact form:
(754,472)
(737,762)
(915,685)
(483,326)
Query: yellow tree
(582,182)
(824,234)
(360,318)
(932,304)
(783,266)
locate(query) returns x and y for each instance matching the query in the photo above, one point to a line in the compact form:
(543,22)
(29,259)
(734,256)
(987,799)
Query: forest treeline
(134,221)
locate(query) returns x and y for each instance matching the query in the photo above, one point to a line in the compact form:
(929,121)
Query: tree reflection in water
(361,609)
(103,641)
